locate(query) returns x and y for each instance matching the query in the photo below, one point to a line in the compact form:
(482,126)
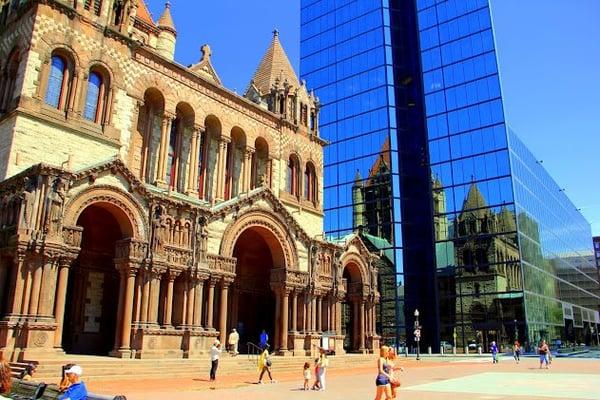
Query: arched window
(57,82)
(293,170)
(93,100)
(310,183)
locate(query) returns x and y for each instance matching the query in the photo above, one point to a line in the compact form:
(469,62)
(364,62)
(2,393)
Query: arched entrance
(91,307)
(257,251)
(350,307)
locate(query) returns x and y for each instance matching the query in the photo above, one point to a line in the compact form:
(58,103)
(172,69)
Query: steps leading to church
(105,368)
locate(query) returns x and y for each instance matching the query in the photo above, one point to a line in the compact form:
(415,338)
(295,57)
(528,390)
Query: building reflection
(371,218)
(479,274)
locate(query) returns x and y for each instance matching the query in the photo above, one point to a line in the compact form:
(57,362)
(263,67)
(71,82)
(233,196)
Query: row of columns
(192,179)
(319,312)
(139,298)
(39,290)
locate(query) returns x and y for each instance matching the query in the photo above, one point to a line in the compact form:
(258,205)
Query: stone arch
(356,267)
(152,80)
(114,74)
(287,257)
(128,211)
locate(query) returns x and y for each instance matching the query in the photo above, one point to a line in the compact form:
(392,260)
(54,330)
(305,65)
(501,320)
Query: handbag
(268,362)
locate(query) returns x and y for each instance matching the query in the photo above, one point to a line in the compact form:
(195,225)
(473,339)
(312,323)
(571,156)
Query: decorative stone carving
(27,204)
(40,339)
(54,206)
(159,229)
(201,240)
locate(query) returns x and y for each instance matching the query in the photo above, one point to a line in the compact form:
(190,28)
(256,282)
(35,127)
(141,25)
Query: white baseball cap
(75,369)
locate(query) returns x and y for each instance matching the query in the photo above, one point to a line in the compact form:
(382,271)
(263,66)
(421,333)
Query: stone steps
(104,368)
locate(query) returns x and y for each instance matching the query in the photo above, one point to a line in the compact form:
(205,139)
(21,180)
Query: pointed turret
(143,14)
(274,69)
(474,198)
(358,202)
(168,34)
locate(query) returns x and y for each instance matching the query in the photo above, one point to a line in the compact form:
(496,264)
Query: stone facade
(147,210)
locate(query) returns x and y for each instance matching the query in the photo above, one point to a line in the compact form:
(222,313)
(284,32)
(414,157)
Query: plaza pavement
(430,378)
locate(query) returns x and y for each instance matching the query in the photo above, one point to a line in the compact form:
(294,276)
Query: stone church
(146,210)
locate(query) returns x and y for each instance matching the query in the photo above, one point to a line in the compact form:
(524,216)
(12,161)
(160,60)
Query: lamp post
(417,333)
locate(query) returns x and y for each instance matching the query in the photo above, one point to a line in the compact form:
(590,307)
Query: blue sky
(549,53)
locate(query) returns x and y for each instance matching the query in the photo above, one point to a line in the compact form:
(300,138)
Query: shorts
(543,358)
(382,380)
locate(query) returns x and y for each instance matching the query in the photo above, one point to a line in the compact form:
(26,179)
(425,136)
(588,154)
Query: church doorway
(352,281)
(91,307)
(257,252)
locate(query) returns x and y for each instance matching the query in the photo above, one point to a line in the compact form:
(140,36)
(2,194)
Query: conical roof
(383,162)
(474,198)
(275,65)
(507,220)
(166,20)
(143,14)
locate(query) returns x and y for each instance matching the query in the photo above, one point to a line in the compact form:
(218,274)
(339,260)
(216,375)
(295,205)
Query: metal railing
(253,351)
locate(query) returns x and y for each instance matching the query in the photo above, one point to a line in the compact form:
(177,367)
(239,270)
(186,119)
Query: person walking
(382,382)
(77,389)
(517,351)
(264,365)
(233,340)
(543,353)
(395,382)
(323,363)
(306,375)
(494,349)
(5,379)
(263,340)
(215,354)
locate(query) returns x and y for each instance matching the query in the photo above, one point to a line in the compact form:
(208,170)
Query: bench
(28,390)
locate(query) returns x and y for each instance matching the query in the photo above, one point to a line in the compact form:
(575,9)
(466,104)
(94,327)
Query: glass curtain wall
(346,58)
(477,255)
(562,292)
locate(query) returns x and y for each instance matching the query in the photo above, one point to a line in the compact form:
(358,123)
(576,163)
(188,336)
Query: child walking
(306,375)
(316,385)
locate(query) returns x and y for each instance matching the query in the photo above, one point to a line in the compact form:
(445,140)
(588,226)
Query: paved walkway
(425,380)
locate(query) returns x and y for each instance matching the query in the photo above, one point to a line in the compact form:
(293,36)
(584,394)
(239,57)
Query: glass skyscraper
(471,230)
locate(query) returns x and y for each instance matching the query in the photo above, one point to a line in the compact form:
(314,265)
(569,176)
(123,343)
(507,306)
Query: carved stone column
(223,310)
(145,292)
(17,286)
(221,160)
(362,325)
(355,325)
(211,303)
(165,132)
(188,319)
(170,276)
(36,287)
(277,335)
(61,296)
(269,183)
(48,288)
(338,314)
(198,301)
(294,310)
(155,274)
(285,307)
(128,273)
(192,182)
(313,313)
(248,156)
(319,314)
